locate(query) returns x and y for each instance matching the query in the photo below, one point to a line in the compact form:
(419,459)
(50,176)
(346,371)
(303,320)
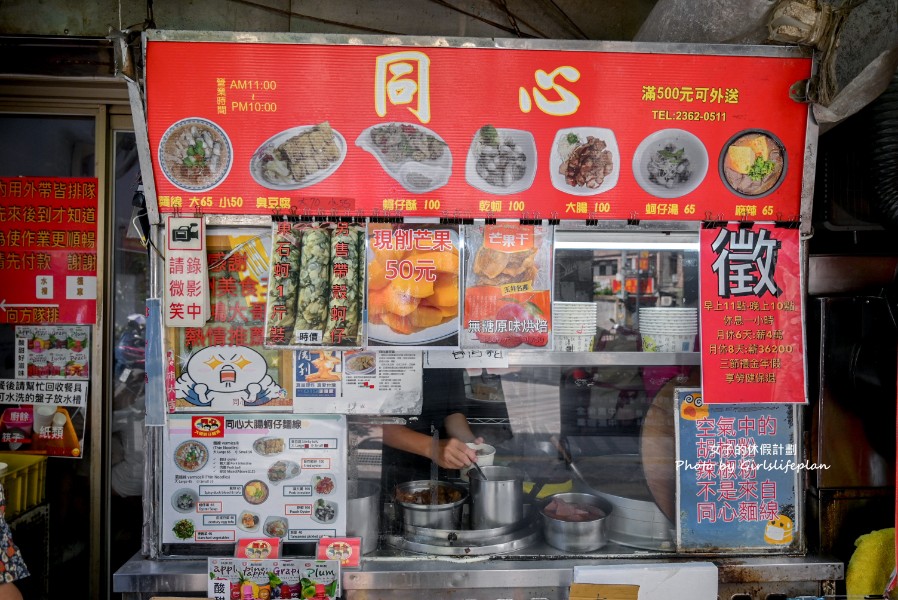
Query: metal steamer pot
(498,500)
(576,536)
(431,516)
(363,513)
(636,520)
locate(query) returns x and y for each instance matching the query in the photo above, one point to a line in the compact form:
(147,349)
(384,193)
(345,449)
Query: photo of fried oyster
(498,268)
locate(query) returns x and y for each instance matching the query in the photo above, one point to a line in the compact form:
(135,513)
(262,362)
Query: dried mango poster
(413,285)
(600,132)
(508,287)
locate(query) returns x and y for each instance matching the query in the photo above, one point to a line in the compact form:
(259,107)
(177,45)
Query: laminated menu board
(737,475)
(224,365)
(508,287)
(413,282)
(316,285)
(247,475)
(231,578)
(362,382)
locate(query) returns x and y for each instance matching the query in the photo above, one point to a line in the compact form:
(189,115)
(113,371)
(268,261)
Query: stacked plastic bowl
(574,324)
(668,329)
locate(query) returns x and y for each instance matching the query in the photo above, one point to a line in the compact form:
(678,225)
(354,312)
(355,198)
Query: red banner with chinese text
(48,249)
(474,132)
(751,315)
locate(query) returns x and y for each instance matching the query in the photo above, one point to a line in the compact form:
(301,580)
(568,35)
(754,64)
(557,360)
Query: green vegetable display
(346,291)
(760,169)
(283,281)
(314,277)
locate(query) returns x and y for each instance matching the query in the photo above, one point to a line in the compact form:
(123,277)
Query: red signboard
(48,250)
(751,315)
(474,132)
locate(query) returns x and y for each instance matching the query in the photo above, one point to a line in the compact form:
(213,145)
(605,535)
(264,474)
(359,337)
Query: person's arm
(451,453)
(9,591)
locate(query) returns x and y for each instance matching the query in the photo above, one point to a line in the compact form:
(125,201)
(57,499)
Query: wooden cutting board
(657,442)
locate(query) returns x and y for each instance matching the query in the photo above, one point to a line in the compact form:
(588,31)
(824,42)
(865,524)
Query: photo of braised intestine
(325,363)
(585,163)
(498,268)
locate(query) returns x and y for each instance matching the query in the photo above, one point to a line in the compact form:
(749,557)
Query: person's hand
(455,454)
(9,591)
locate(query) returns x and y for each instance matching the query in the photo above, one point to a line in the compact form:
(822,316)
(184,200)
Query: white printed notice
(388,382)
(466,359)
(246,475)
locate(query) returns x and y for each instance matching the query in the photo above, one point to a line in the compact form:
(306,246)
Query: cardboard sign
(603,591)
(737,475)
(347,550)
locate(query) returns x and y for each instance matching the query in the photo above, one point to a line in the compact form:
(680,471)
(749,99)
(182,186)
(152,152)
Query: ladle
(480,472)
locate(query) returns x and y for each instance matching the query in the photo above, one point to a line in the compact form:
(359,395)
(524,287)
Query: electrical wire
(518,18)
(291,13)
(504,6)
(481,19)
(145,241)
(567,18)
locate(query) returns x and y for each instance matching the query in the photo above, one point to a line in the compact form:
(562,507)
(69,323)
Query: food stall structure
(603,239)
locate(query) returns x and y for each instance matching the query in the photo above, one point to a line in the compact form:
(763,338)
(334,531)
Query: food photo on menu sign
(413,284)
(679,137)
(236,476)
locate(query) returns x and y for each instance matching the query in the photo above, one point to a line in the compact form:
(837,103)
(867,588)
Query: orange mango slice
(426,316)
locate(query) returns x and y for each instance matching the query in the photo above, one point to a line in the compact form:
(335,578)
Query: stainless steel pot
(435,516)
(363,513)
(576,536)
(497,500)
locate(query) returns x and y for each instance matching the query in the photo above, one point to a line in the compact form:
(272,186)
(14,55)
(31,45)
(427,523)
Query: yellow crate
(23,482)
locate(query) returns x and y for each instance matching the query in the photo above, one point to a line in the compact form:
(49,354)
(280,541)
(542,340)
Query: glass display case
(595,419)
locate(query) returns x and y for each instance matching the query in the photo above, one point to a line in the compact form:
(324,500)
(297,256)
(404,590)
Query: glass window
(53,146)
(130,282)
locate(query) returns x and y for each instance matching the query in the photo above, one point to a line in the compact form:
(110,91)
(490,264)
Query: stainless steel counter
(412,577)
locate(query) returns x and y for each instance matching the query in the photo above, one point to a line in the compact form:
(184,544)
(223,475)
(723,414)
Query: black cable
(570,21)
(290,13)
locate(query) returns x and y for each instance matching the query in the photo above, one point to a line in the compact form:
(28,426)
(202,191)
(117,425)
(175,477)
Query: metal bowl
(433,516)
(576,536)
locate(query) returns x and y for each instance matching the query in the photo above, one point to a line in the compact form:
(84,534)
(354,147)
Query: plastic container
(574,343)
(24,482)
